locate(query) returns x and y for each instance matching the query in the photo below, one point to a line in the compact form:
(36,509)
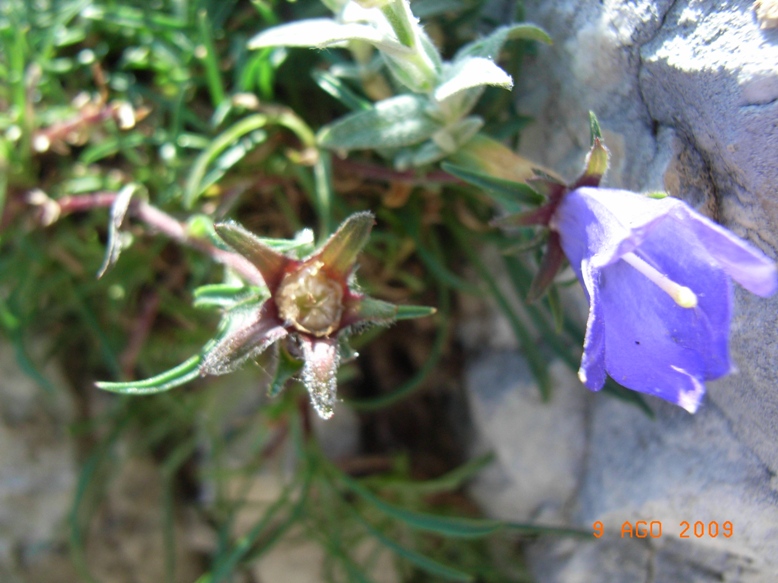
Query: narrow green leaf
(538,364)
(212,74)
(183,373)
(194,186)
(322,172)
(425,563)
(455,527)
(507,192)
(341,91)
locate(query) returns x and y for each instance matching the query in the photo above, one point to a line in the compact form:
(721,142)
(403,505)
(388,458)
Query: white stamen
(681,295)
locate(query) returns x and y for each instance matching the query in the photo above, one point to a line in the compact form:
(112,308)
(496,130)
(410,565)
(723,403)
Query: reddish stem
(167,225)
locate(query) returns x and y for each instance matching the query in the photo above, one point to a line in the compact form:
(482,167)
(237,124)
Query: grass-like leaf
(507,192)
(177,376)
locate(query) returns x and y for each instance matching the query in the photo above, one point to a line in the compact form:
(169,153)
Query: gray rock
(37,469)
(687,94)
(538,447)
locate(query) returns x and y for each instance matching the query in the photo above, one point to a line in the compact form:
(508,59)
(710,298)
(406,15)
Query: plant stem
(167,225)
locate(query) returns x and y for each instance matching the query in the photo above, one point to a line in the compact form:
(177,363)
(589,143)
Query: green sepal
(596,163)
(507,192)
(177,376)
(288,367)
(594,128)
(339,252)
(412,312)
(381,312)
(268,261)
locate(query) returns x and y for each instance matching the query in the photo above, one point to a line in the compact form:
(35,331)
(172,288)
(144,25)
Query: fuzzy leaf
(391,123)
(324,32)
(470,72)
(490,46)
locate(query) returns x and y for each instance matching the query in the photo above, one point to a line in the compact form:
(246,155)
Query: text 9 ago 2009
(654,528)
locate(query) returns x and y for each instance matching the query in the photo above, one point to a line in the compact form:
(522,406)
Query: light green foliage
(414,131)
(129,128)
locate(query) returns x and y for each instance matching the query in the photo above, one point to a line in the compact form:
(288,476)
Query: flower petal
(321,358)
(270,263)
(339,253)
(592,370)
(742,262)
(636,332)
(654,346)
(250,333)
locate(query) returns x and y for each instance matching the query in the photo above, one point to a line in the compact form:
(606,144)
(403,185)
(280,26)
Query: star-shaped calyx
(313,305)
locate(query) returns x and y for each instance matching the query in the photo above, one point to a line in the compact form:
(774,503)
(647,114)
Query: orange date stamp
(654,528)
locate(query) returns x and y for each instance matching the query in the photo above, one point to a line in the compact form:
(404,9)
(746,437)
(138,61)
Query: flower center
(681,295)
(310,301)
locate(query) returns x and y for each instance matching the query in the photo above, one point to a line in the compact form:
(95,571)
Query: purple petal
(592,370)
(636,332)
(321,358)
(251,333)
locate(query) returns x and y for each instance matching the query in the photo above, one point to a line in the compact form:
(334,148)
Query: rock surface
(687,94)
(37,475)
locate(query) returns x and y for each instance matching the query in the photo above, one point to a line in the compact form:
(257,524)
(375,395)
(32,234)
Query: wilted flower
(313,303)
(657,275)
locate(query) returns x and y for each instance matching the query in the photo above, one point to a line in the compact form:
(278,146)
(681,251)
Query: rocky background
(687,94)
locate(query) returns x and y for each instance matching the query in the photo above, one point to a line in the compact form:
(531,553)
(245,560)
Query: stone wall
(687,94)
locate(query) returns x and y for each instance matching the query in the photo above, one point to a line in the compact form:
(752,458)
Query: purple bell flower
(657,276)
